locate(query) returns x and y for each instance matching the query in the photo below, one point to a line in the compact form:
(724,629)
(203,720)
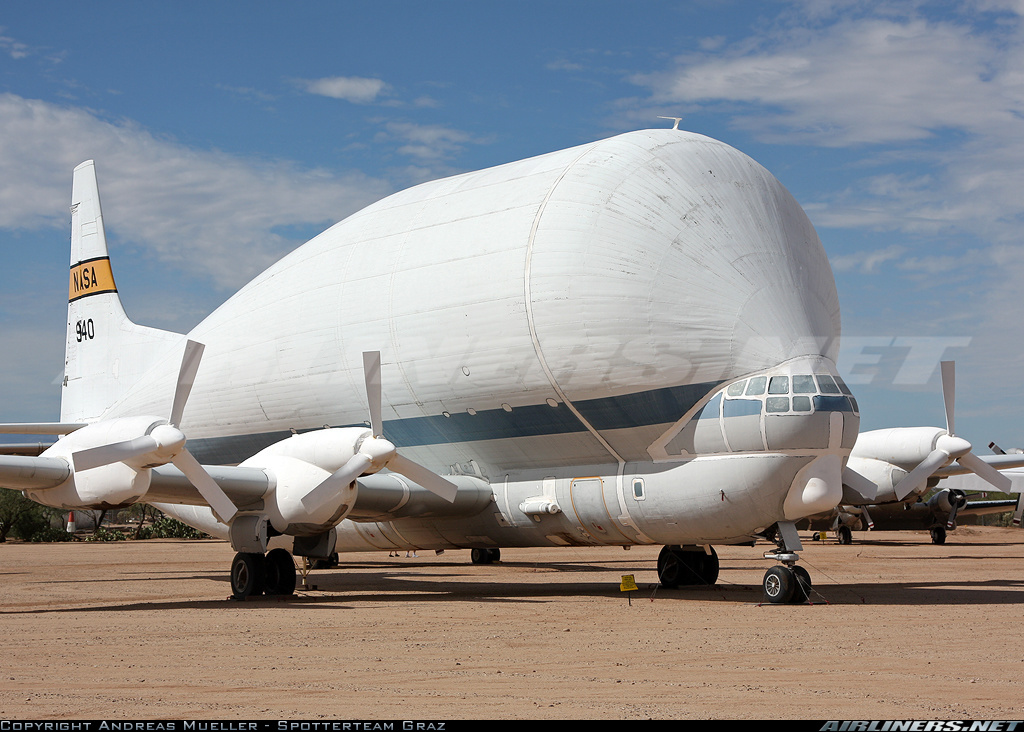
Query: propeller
(957,500)
(949,447)
(375,452)
(166,443)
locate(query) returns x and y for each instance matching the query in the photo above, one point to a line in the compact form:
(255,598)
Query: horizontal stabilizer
(40,428)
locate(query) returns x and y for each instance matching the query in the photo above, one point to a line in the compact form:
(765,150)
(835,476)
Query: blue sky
(226,134)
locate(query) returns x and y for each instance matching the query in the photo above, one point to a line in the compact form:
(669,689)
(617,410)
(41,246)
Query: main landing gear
(788,583)
(694,565)
(484,555)
(257,574)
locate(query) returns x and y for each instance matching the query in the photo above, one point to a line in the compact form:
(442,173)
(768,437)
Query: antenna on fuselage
(677,119)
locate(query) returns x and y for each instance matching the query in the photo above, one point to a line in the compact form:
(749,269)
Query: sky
(226,134)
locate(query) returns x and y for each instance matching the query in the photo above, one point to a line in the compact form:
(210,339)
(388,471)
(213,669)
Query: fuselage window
(778,385)
(638,489)
(756,385)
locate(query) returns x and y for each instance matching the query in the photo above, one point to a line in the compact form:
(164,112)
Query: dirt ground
(898,628)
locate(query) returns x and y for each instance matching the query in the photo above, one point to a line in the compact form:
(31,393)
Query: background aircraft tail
(105,353)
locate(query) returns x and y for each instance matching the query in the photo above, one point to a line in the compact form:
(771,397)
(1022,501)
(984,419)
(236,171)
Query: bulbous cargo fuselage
(564,309)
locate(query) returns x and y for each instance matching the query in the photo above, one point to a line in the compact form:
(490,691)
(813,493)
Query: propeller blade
(424,477)
(1019,511)
(951,521)
(948,373)
(206,485)
(331,486)
(996,449)
(186,378)
(865,488)
(95,457)
(371,374)
(935,460)
(867,518)
(986,472)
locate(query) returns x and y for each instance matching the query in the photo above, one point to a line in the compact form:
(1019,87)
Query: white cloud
(208,213)
(857,81)
(355,89)
(867,262)
(428,143)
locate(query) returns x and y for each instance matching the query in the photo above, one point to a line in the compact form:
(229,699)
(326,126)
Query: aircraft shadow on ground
(351,585)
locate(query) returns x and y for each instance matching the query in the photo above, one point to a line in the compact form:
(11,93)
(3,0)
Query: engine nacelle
(944,500)
(904,447)
(883,474)
(107,486)
(296,466)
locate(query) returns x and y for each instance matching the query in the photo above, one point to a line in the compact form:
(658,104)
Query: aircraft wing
(999,462)
(970,483)
(244,486)
(23,472)
(982,508)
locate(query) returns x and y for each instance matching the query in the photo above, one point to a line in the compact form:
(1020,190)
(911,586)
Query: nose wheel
(787,584)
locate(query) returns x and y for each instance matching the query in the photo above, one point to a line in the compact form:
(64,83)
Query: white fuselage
(560,327)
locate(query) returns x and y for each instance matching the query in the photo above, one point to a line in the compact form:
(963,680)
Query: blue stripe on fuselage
(658,406)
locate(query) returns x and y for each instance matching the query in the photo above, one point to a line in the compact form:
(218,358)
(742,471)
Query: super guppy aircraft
(632,341)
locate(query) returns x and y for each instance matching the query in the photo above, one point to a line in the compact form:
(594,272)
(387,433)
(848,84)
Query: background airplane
(628,342)
(937,512)
(891,475)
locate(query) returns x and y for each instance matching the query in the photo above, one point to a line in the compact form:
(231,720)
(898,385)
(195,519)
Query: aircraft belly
(706,499)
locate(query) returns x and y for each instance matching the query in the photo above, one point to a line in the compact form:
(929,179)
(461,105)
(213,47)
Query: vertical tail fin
(105,352)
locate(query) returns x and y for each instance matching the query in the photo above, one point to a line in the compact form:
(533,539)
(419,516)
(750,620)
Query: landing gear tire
(802,590)
(280,573)
(679,567)
(938,535)
(248,575)
(779,585)
(326,563)
(844,535)
(484,556)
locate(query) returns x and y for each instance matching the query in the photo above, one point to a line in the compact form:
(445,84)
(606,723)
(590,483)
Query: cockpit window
(827,384)
(756,386)
(777,404)
(804,385)
(778,385)
(736,389)
(843,387)
(801,404)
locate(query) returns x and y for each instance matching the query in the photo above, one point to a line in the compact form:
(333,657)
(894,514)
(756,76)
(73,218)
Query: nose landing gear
(788,583)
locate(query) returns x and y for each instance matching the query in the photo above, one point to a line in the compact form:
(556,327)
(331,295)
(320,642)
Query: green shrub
(169,528)
(102,534)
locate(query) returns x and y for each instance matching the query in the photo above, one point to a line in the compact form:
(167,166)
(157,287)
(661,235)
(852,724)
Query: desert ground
(897,628)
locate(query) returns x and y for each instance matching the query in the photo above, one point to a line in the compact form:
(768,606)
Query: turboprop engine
(99,484)
(313,476)
(948,502)
(887,466)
